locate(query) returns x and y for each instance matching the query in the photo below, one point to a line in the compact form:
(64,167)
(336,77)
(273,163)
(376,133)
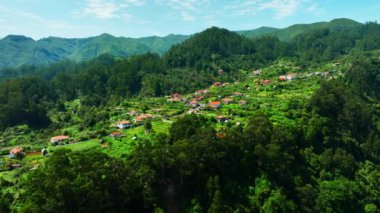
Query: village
(225,103)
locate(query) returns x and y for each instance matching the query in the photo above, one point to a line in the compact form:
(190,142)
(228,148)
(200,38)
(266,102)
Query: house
(201,92)
(291,76)
(265,82)
(199,98)
(58,139)
(116,134)
(194,103)
(221,72)
(215,104)
(124,124)
(176,95)
(143,117)
(13,153)
(225,84)
(217,84)
(227,100)
(282,78)
(256,72)
(221,119)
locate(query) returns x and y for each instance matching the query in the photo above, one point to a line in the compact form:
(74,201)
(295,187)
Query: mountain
(291,32)
(210,44)
(258,32)
(18,50)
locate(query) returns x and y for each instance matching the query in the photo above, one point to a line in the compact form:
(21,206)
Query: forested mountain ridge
(20,50)
(16,50)
(288,33)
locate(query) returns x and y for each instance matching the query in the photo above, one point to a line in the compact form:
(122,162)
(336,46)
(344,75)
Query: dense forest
(327,162)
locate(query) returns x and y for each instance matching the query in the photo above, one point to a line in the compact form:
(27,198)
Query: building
(215,104)
(116,134)
(227,100)
(265,82)
(13,153)
(59,139)
(291,76)
(199,98)
(221,119)
(143,117)
(256,72)
(124,124)
(217,84)
(194,103)
(201,92)
(282,78)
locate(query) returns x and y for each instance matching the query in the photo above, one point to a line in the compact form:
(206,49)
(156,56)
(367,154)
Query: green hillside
(19,50)
(291,32)
(258,32)
(219,123)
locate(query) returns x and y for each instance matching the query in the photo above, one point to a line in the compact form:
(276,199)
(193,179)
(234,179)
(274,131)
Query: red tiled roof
(60,137)
(143,117)
(124,122)
(16,150)
(193,102)
(215,103)
(217,84)
(116,134)
(176,95)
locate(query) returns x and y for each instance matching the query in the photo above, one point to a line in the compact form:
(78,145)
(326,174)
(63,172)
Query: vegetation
(297,130)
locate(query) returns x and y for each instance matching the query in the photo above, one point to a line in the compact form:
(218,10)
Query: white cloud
(315,9)
(100,9)
(106,9)
(282,8)
(135,2)
(189,10)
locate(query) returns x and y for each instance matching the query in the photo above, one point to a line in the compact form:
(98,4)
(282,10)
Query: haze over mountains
(16,50)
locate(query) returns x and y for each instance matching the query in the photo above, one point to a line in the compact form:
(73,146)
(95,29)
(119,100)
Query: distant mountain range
(18,50)
(291,32)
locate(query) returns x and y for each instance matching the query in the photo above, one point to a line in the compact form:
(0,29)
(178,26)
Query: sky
(139,18)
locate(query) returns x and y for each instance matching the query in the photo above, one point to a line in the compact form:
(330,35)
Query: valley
(218,123)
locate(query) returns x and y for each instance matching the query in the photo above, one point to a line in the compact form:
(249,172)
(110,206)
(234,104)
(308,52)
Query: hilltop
(289,33)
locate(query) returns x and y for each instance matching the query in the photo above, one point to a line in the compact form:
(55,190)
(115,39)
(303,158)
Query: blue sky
(138,18)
